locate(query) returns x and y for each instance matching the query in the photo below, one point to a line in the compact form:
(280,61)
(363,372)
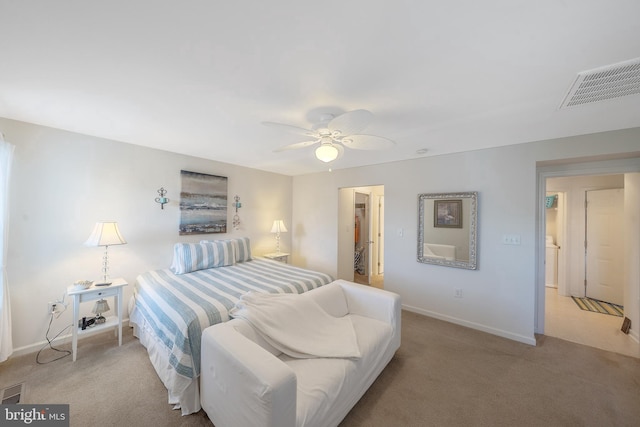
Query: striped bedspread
(180,307)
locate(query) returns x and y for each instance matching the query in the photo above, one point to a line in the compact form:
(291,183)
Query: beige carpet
(443,375)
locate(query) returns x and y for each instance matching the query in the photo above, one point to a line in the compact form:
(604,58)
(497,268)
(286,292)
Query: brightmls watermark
(34,415)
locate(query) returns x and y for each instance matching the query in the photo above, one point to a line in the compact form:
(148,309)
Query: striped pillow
(188,257)
(241,248)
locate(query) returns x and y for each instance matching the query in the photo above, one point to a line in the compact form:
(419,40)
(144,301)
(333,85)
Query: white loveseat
(245,381)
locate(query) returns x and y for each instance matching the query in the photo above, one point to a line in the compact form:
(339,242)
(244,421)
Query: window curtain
(6,156)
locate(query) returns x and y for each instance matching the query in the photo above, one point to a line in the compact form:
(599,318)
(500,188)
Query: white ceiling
(199,77)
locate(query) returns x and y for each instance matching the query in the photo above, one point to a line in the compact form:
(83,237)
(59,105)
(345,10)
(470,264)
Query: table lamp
(101,306)
(278,227)
(105,233)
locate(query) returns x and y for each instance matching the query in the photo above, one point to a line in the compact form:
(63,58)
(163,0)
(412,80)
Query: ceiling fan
(335,132)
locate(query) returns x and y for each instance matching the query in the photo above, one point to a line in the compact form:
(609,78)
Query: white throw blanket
(298,326)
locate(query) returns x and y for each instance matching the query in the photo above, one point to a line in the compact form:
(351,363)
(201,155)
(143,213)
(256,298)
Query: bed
(171,307)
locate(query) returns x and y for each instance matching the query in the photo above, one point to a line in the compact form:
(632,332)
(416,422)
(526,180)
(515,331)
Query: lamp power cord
(49,343)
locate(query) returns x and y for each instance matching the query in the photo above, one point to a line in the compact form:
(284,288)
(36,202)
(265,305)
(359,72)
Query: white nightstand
(278,256)
(95,293)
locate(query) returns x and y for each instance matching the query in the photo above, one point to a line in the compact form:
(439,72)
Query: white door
(372,242)
(364,234)
(345,234)
(604,245)
(381,235)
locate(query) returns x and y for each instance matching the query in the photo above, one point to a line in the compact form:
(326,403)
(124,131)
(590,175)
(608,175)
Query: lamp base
(100,319)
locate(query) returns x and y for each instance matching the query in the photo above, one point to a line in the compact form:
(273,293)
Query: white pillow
(188,257)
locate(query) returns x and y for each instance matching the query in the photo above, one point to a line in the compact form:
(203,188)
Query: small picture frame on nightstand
(626,325)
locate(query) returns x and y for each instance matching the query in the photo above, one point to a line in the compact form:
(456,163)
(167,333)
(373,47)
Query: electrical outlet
(53,307)
(458,293)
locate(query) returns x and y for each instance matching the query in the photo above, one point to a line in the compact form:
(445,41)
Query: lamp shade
(101,306)
(278,226)
(105,233)
(327,153)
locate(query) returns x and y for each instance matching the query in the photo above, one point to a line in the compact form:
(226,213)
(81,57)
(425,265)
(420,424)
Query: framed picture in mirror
(447,213)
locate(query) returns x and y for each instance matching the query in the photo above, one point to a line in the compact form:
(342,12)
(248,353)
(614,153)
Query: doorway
(362,239)
(555,238)
(586,272)
(361,235)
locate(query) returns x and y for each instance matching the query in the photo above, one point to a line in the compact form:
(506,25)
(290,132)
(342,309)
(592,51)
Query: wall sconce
(236,218)
(162,199)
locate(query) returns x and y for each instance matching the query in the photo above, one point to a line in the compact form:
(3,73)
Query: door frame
(561,242)
(346,212)
(554,169)
(379,259)
(346,198)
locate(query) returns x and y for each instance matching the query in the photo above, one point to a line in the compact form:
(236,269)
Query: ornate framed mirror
(448,229)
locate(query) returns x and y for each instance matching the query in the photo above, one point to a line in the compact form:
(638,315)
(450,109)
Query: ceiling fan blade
(296,145)
(351,122)
(367,142)
(291,129)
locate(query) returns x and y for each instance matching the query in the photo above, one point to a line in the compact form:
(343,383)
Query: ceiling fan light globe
(326,153)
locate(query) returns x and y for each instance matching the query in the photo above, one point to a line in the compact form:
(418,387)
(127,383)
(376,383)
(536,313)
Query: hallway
(563,319)
(377,280)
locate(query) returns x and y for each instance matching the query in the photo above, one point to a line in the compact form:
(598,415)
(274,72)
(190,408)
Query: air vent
(12,395)
(600,84)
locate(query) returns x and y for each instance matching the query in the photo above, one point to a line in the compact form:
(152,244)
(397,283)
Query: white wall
(62,183)
(499,297)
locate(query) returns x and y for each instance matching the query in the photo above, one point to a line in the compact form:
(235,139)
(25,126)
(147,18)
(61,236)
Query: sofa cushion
(330,386)
(320,382)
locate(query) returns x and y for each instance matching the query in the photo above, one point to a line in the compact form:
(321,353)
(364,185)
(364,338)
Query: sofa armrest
(374,303)
(242,384)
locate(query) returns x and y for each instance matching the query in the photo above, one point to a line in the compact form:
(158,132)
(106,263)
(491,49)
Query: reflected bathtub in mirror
(447,229)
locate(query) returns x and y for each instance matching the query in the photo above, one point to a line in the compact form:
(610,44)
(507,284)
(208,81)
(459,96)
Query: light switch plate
(511,239)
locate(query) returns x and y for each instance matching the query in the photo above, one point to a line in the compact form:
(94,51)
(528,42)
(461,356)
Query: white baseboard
(63,339)
(480,327)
